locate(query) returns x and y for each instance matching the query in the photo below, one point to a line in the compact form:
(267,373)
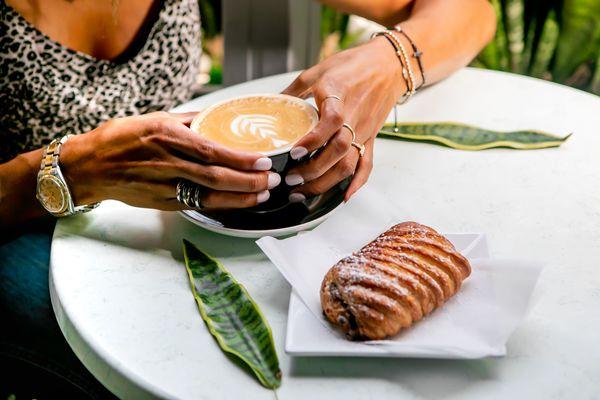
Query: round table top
(123,301)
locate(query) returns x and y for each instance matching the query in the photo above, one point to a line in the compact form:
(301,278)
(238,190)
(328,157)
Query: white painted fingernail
(294,179)
(263,196)
(296,198)
(263,164)
(298,152)
(274,180)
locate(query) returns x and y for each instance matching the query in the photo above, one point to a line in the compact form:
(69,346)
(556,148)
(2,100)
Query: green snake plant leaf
(529,41)
(545,48)
(465,137)
(579,36)
(231,315)
(495,54)
(535,15)
(515,26)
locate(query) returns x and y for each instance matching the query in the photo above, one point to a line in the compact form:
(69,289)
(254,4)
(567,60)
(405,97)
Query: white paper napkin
(475,323)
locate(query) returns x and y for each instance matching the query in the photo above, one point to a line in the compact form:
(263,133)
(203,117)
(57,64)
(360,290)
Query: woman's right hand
(139,160)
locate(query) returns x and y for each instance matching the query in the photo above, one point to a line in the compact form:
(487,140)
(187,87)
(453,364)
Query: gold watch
(52,189)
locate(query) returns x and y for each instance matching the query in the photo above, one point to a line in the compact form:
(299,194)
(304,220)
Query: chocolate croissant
(392,282)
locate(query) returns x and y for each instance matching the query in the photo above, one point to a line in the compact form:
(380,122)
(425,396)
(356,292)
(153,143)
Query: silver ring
(358,146)
(189,193)
(333,96)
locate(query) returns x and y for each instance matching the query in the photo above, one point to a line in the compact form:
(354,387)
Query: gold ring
(358,146)
(333,96)
(345,125)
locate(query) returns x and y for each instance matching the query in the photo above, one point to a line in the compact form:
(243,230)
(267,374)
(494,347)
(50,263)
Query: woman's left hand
(368,81)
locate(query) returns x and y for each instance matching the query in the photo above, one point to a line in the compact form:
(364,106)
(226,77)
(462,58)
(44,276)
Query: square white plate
(307,336)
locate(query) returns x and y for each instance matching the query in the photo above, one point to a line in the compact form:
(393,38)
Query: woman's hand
(368,81)
(139,160)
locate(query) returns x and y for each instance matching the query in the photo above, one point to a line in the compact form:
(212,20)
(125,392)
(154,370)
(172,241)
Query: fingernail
(263,164)
(294,179)
(274,180)
(263,196)
(298,152)
(296,198)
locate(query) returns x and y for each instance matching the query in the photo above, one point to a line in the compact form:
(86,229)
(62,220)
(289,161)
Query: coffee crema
(261,123)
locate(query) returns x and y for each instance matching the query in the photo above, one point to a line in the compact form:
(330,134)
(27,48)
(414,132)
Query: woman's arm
(450,33)
(138,160)
(368,81)
(17,191)
(384,12)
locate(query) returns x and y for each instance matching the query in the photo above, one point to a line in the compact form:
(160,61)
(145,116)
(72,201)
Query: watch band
(49,163)
(51,154)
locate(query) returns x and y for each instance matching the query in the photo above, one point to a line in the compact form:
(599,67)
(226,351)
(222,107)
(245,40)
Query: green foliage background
(557,40)
(210,14)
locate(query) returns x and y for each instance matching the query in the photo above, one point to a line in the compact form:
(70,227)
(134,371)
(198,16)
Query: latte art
(252,128)
(256,123)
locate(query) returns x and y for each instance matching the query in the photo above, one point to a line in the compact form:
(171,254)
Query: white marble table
(123,301)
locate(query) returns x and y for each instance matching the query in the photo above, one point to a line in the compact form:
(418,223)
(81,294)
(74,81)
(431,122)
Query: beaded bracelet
(416,54)
(407,72)
(405,96)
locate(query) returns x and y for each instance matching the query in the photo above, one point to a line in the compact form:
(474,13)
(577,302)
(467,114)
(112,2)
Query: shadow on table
(173,230)
(178,228)
(429,379)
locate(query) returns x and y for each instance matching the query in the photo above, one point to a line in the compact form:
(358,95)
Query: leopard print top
(48,90)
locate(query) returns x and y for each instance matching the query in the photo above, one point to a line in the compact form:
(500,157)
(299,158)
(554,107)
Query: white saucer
(213,225)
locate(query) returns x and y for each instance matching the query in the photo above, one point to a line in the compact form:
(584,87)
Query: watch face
(51,193)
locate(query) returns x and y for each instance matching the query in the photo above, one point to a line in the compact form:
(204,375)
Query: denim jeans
(36,358)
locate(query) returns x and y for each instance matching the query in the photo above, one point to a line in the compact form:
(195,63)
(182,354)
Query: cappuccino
(262,123)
